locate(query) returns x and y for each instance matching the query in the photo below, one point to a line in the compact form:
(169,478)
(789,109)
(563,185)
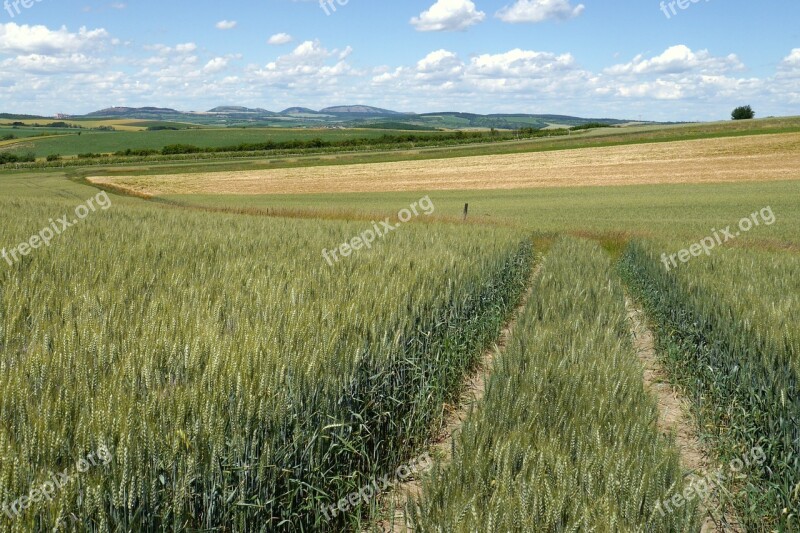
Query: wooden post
(466,211)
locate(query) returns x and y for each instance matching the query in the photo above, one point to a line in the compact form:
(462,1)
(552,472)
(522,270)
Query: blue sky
(626,59)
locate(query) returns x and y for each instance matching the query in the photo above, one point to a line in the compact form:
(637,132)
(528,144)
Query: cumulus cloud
(448,15)
(215,65)
(309,64)
(522,63)
(226,24)
(16,39)
(539,11)
(793,57)
(786,84)
(514,72)
(678,59)
(280,38)
(441,66)
(48,65)
(680,73)
(178,49)
(791,63)
(554,82)
(42,67)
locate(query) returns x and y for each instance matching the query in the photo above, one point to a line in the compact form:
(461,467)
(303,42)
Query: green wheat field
(239,382)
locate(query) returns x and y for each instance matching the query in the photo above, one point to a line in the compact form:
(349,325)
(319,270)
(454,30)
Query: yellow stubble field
(732,159)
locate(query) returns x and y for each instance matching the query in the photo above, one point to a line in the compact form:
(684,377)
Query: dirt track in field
(472,394)
(752,158)
(674,417)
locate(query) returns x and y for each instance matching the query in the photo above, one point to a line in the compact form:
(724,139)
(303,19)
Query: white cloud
(186,48)
(15,39)
(679,73)
(50,65)
(308,51)
(448,15)
(522,63)
(522,80)
(678,59)
(280,38)
(785,86)
(80,71)
(344,54)
(539,11)
(104,7)
(512,73)
(792,61)
(179,49)
(215,65)
(658,89)
(435,60)
(794,57)
(226,24)
(441,66)
(309,65)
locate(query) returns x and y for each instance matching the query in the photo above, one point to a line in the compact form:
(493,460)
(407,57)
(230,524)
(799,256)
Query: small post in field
(466,211)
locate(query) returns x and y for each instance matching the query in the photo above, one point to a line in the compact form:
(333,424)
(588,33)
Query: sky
(676,60)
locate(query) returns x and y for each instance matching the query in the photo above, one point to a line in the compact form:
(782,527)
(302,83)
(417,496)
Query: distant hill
(396,125)
(237,109)
(455,120)
(221,114)
(11,116)
(128,111)
(358,110)
(566,119)
(299,111)
(355,116)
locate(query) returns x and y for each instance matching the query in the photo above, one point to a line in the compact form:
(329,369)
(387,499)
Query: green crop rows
(240,383)
(565,438)
(728,327)
(237,379)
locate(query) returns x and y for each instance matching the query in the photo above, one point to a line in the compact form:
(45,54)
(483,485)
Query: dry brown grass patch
(753,158)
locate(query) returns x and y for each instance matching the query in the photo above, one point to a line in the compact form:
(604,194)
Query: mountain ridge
(347,116)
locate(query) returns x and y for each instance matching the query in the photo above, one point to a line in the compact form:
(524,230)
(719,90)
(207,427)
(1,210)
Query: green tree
(743,113)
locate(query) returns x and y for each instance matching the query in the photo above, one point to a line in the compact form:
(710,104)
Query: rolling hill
(352,116)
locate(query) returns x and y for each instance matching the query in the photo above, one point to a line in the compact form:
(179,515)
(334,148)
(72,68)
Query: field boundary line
(286,212)
(674,414)
(592,138)
(472,392)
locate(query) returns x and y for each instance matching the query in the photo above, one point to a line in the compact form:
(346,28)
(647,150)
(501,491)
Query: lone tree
(743,113)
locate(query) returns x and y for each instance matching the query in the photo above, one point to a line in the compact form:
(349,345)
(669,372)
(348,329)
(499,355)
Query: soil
(674,417)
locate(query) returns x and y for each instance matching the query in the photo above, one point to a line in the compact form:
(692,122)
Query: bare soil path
(674,416)
(673,410)
(474,390)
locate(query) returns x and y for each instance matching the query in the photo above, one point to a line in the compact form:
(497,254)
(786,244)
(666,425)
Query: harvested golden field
(752,158)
